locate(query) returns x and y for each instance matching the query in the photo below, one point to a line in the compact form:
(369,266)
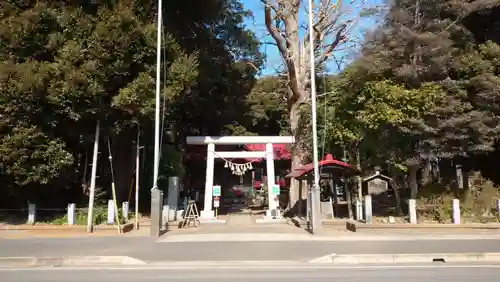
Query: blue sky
(273,58)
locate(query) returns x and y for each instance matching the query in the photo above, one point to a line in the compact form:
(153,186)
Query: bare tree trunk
(396,189)
(297,154)
(359,179)
(348,198)
(331,26)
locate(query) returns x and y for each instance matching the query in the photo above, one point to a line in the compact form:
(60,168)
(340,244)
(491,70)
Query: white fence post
(368,209)
(412,211)
(31,213)
(498,207)
(456,211)
(71,213)
(125,210)
(111,212)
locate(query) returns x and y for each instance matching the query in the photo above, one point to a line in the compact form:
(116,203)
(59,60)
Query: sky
(274,62)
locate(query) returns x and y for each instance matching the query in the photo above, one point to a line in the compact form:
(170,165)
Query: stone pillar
(71,214)
(207,211)
(460,177)
(31,213)
(156,212)
(412,211)
(111,212)
(125,210)
(359,209)
(166,215)
(498,207)
(368,209)
(173,192)
(456,211)
(272,203)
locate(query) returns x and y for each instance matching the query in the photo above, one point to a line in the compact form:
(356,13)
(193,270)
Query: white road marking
(407,258)
(247,267)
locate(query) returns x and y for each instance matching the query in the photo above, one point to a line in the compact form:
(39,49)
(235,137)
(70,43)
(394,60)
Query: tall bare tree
(333,21)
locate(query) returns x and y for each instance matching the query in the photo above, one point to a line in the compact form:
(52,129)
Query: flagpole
(315,192)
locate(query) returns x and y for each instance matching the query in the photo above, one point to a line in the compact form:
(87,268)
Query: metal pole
(137,181)
(157,109)
(316,223)
(90,215)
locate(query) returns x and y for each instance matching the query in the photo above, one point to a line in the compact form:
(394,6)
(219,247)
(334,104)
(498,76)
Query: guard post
(216,193)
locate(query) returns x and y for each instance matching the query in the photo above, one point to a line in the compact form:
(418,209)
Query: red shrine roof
(200,152)
(280,151)
(327,162)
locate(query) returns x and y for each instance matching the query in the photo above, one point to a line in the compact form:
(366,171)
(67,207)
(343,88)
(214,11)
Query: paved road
(359,274)
(147,249)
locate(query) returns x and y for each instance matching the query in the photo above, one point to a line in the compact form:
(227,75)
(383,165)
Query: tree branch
(275,33)
(340,36)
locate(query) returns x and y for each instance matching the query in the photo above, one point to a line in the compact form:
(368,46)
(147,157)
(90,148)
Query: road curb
(408,258)
(296,237)
(6,262)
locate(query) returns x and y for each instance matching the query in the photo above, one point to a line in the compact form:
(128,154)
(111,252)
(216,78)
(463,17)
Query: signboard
(276,190)
(216,202)
(216,191)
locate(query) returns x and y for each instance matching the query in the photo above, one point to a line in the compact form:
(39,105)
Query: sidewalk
(241,228)
(79,233)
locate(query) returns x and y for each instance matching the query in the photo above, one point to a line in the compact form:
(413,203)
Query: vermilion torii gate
(268,154)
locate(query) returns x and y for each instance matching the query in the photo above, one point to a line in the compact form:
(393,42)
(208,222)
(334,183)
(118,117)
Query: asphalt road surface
(358,274)
(148,250)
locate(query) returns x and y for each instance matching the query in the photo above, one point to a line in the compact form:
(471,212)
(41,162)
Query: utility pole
(315,193)
(158,98)
(156,194)
(90,215)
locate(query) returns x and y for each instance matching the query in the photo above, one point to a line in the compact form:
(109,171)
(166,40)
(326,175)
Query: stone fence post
(456,211)
(31,213)
(111,212)
(368,209)
(412,211)
(125,210)
(71,213)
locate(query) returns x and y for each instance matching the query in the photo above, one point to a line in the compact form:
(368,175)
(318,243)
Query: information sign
(216,191)
(276,190)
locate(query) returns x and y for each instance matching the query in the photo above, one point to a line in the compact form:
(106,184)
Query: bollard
(368,209)
(71,214)
(31,213)
(125,210)
(412,211)
(111,212)
(456,211)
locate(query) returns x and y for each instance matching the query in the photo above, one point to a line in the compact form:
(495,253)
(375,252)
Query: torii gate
(211,141)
